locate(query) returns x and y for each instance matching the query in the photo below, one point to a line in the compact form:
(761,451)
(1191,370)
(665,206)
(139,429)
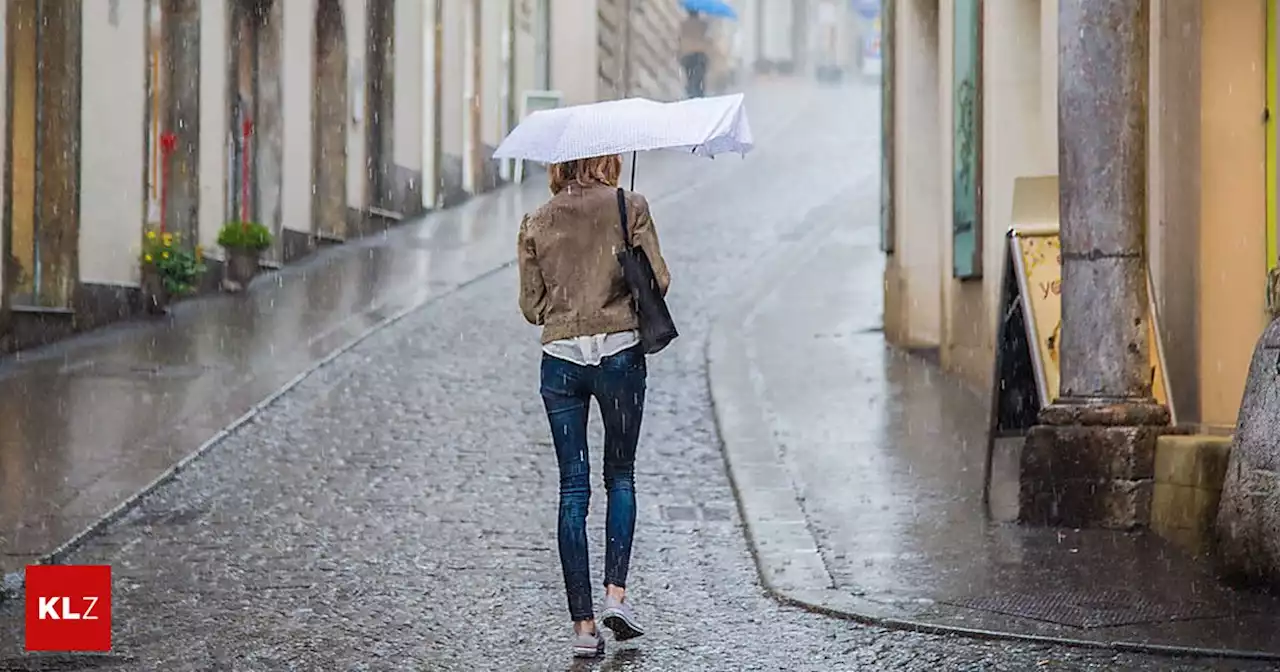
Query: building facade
(972,106)
(321,119)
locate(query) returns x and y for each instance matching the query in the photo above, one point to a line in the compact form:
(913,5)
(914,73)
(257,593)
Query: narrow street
(396,510)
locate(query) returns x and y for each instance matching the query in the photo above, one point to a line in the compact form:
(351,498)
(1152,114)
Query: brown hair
(585,172)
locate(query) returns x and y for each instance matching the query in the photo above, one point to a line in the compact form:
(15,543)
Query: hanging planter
(244,243)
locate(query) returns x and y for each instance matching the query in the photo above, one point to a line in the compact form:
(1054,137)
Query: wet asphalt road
(396,511)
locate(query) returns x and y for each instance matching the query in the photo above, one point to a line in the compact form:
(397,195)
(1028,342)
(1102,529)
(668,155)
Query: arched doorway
(329,124)
(41,212)
(256,133)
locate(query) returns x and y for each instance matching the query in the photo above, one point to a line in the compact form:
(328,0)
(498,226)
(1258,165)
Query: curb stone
(786,554)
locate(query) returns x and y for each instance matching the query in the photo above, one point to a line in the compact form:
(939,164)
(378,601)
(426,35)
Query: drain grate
(1091,609)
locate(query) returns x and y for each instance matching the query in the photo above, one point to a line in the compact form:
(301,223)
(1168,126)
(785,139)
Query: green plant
(178,267)
(244,236)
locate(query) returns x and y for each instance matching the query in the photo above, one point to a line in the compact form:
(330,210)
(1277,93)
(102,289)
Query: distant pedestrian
(571,284)
(695,53)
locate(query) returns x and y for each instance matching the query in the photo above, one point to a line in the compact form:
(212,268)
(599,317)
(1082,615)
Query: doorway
(41,218)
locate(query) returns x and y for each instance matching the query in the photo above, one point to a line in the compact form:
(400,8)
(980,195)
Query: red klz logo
(68,608)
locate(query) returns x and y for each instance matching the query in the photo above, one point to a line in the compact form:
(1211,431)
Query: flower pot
(241,266)
(155,298)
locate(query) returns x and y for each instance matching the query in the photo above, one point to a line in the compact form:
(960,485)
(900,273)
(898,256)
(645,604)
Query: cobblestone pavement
(396,511)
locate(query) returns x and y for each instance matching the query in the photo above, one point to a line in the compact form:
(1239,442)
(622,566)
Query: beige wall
(1233,201)
(427,59)
(4,132)
(749,47)
(453,105)
(298,83)
(526,48)
(213,122)
(493,73)
(410,79)
(113,96)
(777,17)
(470,90)
(956,298)
(574,50)
(965,347)
(1174,216)
(914,290)
(357,21)
(1019,139)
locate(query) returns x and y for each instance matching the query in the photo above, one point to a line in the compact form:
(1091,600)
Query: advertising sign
(1037,254)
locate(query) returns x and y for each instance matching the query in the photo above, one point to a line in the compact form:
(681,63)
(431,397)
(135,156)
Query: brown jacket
(570,280)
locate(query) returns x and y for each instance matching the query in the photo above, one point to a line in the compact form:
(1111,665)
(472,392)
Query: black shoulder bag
(657,330)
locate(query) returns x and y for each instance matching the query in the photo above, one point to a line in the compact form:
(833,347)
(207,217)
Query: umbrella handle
(633,171)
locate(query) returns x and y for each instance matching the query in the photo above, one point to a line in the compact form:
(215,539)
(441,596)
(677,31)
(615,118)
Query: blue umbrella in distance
(710,8)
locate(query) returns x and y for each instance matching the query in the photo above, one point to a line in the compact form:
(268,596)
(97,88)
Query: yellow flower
(199,252)
(165,255)
(151,235)
(147,258)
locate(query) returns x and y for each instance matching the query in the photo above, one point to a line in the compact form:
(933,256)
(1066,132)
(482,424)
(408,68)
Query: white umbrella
(703,126)
(718,125)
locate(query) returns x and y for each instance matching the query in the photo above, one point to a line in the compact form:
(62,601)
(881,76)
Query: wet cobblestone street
(396,510)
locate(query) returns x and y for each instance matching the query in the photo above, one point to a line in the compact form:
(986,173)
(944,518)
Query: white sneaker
(617,616)
(588,644)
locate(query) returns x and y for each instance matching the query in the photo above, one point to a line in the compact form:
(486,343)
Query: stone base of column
(1090,463)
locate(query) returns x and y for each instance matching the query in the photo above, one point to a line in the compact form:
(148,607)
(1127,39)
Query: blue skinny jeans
(618,385)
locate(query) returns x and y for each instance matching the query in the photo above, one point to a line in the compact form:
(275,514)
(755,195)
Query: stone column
(1090,461)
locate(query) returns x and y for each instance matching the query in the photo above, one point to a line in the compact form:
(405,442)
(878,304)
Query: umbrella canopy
(719,125)
(711,8)
(703,126)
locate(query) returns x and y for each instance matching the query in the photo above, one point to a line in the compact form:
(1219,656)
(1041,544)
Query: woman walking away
(571,285)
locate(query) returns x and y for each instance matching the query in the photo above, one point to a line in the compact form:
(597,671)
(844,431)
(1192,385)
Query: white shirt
(589,350)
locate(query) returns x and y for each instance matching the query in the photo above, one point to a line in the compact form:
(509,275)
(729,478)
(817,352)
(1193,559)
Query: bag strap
(622,216)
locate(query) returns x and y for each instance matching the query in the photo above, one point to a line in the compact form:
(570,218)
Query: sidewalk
(859,474)
(89,423)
